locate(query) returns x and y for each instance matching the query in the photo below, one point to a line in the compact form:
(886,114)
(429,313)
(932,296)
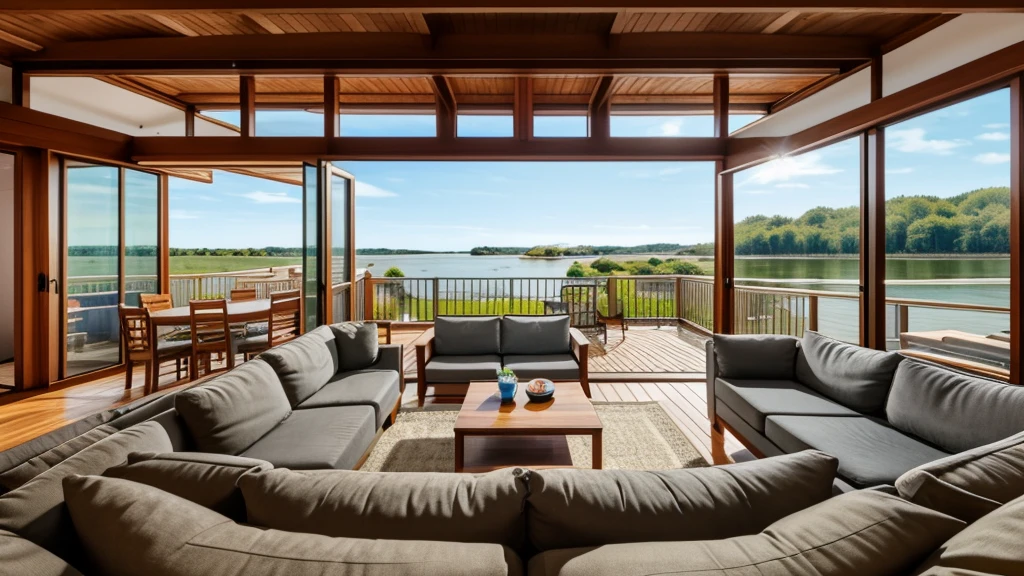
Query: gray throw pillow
(858,378)
(535,335)
(971,484)
(573,508)
(357,345)
(422,506)
(954,411)
(305,364)
(131,529)
(755,357)
(209,480)
(23,558)
(467,335)
(989,546)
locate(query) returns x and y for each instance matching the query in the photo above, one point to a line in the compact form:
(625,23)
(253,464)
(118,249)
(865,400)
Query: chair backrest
(209,322)
(243,294)
(581,304)
(284,317)
(136,331)
(156,302)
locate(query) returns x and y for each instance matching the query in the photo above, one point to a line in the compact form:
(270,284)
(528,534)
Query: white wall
(6,257)
(101,104)
(958,42)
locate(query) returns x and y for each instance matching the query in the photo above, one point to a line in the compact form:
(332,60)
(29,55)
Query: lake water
(960,280)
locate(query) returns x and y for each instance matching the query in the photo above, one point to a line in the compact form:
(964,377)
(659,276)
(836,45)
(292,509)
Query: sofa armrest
(390,357)
(424,351)
(581,352)
(711,372)
(385,327)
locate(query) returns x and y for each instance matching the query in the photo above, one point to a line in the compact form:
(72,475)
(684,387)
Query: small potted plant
(508,384)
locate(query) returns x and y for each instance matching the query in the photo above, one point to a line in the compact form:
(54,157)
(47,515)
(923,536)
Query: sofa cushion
(318,439)
(36,510)
(23,558)
(971,484)
(305,364)
(376,388)
(230,412)
(206,479)
(467,335)
(754,400)
(856,377)
(989,546)
(406,506)
(459,369)
(952,410)
(550,366)
(115,518)
(357,344)
(142,410)
(856,534)
(29,469)
(573,508)
(760,356)
(13,457)
(869,452)
(535,335)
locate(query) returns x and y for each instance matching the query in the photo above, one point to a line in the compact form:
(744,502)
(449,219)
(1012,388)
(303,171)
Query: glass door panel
(92,270)
(7,226)
(311,238)
(141,258)
(341,209)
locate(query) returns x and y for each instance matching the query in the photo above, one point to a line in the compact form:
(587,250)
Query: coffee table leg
(460,456)
(598,449)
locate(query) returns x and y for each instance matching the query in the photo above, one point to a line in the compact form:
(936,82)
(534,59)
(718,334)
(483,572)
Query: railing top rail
(583,280)
(917,303)
(800,292)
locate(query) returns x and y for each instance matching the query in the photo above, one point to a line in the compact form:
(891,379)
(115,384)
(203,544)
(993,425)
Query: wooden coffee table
(491,435)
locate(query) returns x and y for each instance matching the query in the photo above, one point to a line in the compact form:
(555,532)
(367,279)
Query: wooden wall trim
(1016,229)
(31,128)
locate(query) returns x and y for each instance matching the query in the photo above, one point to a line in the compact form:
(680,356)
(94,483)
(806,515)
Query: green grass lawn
(212,264)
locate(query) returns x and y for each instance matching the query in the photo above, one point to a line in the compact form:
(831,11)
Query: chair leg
(155,382)
(129,365)
(193,367)
(149,376)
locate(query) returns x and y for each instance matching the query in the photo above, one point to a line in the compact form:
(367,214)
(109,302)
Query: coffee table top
(569,411)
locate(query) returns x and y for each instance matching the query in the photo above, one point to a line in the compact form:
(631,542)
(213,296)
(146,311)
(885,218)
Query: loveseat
(879,413)
(461,349)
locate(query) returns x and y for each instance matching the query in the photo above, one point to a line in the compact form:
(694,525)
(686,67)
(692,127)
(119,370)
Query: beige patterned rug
(637,436)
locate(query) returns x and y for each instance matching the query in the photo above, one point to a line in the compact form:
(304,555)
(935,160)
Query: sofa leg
(716,426)
(421,392)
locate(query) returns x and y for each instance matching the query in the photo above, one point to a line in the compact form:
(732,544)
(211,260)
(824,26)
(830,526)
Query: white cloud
(792,185)
(992,158)
(996,126)
(670,171)
(899,170)
(993,136)
(915,140)
(182,215)
(261,197)
(367,190)
(671,128)
(788,168)
(758,192)
(206,198)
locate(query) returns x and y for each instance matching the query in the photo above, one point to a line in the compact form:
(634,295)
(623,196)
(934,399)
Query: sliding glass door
(110,240)
(312,231)
(328,198)
(342,200)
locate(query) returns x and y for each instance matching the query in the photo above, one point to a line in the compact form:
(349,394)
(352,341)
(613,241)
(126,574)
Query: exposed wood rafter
(173,24)
(262,22)
(781,22)
(446,108)
(916,32)
(599,110)
(19,41)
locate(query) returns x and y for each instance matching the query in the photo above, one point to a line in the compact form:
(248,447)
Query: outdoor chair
(243,294)
(282,327)
(617,319)
(211,334)
(138,337)
(156,302)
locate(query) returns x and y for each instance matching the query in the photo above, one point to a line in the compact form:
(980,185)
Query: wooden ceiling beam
(19,41)
(170,22)
(413,53)
(21,126)
(777,24)
(513,6)
(446,107)
(916,32)
(262,22)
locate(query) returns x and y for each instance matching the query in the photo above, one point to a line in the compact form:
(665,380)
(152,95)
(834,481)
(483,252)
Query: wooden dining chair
(156,302)
(211,334)
(140,344)
(243,294)
(283,325)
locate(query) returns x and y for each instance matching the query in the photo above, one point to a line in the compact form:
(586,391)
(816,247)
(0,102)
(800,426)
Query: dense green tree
(394,272)
(576,270)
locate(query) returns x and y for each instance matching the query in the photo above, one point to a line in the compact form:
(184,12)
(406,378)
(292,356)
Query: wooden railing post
(679,298)
(368,294)
(813,313)
(613,296)
(436,306)
(904,313)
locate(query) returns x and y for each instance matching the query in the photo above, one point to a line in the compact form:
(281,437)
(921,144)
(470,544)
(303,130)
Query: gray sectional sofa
(461,349)
(879,413)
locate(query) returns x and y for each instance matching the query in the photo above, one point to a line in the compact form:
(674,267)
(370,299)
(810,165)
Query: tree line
(976,222)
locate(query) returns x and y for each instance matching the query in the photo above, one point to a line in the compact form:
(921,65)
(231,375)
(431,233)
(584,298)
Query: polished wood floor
(25,415)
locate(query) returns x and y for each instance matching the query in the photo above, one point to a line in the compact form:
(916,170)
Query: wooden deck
(25,415)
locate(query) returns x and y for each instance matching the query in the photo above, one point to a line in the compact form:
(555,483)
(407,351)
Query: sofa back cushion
(857,534)
(535,334)
(22,557)
(399,506)
(971,484)
(856,377)
(574,508)
(130,529)
(231,412)
(755,357)
(19,475)
(467,335)
(36,510)
(954,411)
(357,344)
(989,546)
(209,480)
(18,455)
(305,364)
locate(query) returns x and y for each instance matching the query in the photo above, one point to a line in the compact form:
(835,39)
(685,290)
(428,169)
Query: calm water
(970,281)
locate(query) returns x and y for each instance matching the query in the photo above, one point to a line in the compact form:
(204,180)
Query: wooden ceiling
(659,54)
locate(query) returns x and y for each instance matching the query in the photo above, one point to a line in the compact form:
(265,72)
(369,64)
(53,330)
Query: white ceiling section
(962,40)
(101,104)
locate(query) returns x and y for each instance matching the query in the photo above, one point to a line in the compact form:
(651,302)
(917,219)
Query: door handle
(56,286)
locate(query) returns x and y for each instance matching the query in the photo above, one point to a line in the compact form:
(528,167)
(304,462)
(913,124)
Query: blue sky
(458,205)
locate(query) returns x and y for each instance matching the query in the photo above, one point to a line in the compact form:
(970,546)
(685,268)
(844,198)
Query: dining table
(238,312)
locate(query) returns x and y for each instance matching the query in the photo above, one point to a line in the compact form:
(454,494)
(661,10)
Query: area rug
(637,436)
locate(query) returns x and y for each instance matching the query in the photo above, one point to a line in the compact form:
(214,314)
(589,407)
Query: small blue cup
(508,388)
